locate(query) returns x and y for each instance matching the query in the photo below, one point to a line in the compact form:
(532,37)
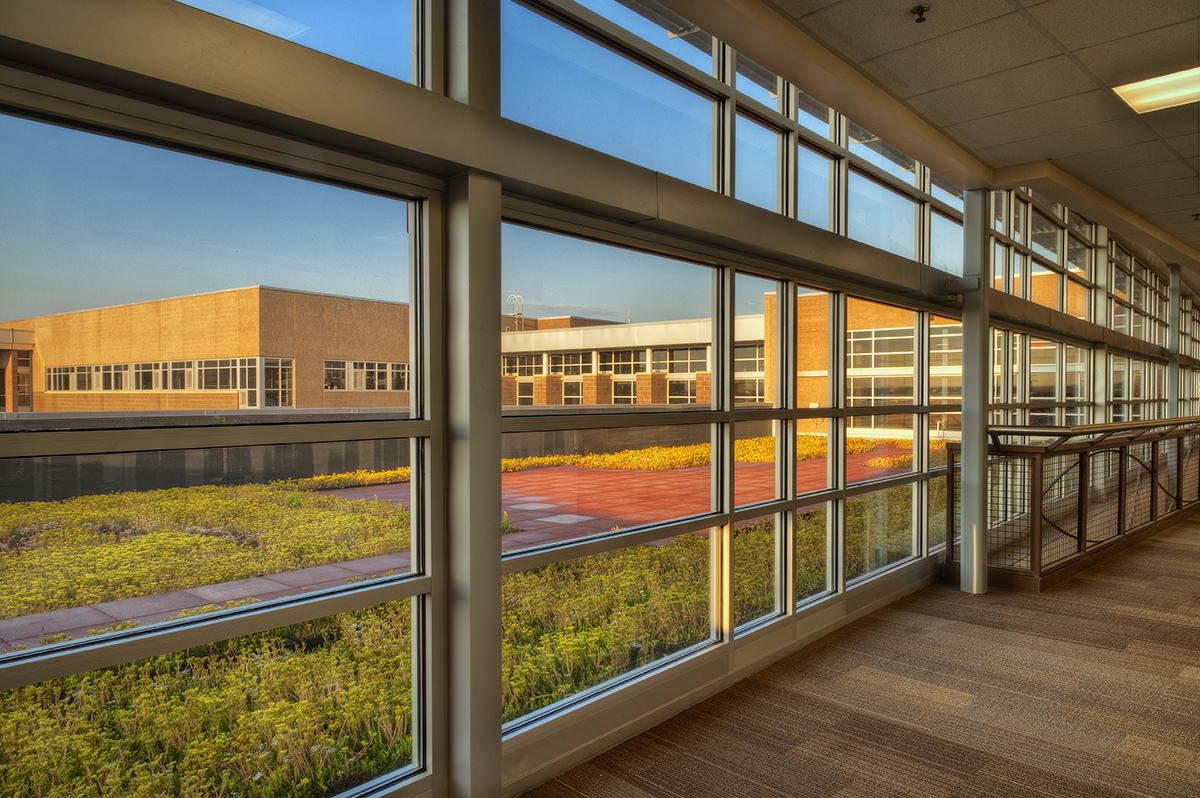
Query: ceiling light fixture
(1167,91)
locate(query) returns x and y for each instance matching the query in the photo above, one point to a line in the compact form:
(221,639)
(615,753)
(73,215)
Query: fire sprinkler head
(920,12)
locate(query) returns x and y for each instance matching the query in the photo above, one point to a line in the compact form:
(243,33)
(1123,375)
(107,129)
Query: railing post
(1122,499)
(1154,480)
(1085,499)
(1035,516)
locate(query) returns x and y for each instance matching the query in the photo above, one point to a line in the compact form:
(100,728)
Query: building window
(335,375)
(277,380)
(749,358)
(571,364)
(83,378)
(624,361)
(523,365)
(524,393)
(180,375)
(686,360)
(681,392)
(399,373)
(216,375)
(624,392)
(572,393)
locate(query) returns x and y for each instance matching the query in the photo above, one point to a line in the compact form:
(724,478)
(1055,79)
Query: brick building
(244,348)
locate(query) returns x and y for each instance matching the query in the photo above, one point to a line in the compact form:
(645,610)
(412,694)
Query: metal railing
(1061,498)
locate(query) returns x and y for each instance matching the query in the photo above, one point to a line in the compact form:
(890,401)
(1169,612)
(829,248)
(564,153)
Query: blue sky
(89,221)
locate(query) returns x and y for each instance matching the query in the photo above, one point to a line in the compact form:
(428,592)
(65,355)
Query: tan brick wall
(703,387)
(250,322)
(8,365)
(597,389)
(508,390)
(547,389)
(770,349)
(311,328)
(652,389)
(136,401)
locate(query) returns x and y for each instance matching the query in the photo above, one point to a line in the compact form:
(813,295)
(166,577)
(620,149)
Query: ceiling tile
(1135,194)
(799,8)
(1165,205)
(1180,217)
(1142,175)
(1025,85)
(1145,55)
(1089,163)
(1177,121)
(984,49)
(1068,113)
(1187,145)
(1058,146)
(1083,23)
(862,29)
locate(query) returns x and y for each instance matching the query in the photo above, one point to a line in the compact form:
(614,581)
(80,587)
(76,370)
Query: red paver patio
(547,505)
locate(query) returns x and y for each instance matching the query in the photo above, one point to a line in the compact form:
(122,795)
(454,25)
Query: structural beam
(976,365)
(472,363)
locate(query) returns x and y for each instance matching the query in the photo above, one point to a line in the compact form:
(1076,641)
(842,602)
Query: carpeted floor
(1089,690)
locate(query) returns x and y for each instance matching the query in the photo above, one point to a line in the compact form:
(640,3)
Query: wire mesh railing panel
(1060,507)
(1138,479)
(953,536)
(1104,496)
(1168,483)
(1189,451)
(1010,485)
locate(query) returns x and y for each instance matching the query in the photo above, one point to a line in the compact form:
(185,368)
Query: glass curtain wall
(639,82)
(239,561)
(1043,252)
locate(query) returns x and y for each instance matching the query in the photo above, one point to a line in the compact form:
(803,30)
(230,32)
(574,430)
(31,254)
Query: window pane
(811,551)
(581,623)
(812,114)
(754,475)
(661,27)
(878,152)
(305,710)
(118,540)
(754,565)
(757,82)
(1078,257)
(1045,236)
(945,361)
(1077,299)
(812,200)
(947,192)
(755,352)
(1043,285)
(640,344)
(879,530)
(376,34)
(812,348)
(946,244)
(879,447)
(881,217)
(566,485)
(1043,370)
(812,455)
(557,81)
(757,164)
(193,337)
(880,353)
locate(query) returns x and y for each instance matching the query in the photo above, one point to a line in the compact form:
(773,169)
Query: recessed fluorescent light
(1167,91)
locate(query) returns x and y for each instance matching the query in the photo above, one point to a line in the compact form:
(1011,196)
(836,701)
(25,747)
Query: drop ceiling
(1017,82)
